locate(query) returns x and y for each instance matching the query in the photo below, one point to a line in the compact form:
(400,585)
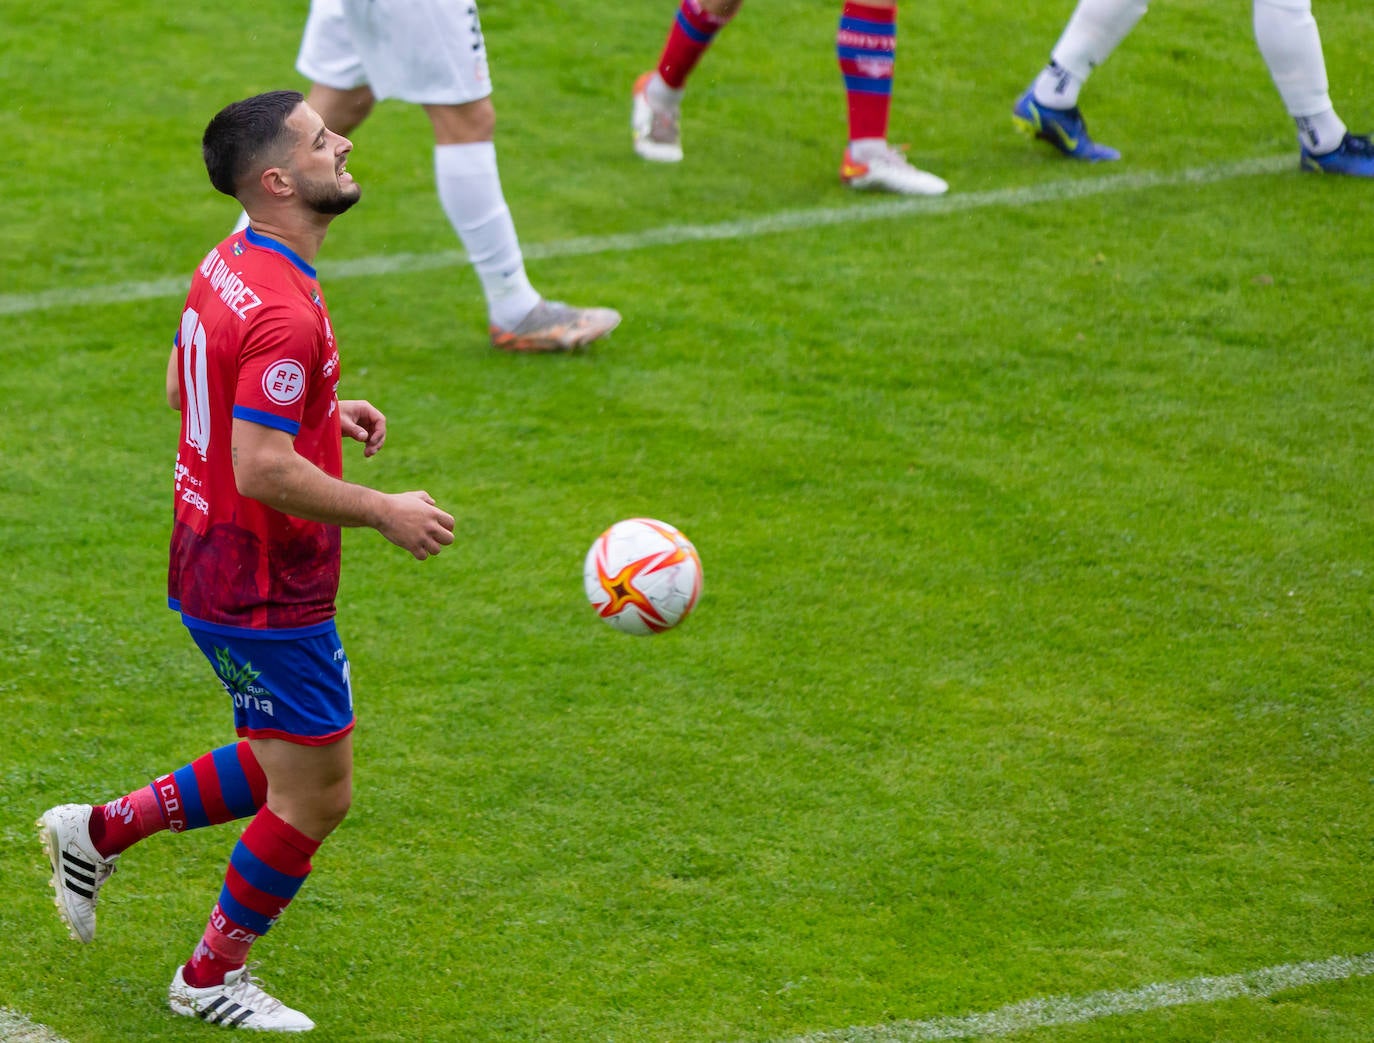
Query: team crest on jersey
(284,381)
(237,248)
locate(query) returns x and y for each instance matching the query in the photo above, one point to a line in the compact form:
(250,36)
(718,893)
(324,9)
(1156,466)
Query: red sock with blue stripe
(866,45)
(219,786)
(268,866)
(693,29)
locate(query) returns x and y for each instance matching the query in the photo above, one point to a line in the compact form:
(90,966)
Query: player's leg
(468,181)
(655,111)
(1292,48)
(866,48)
(432,53)
(85,842)
(341,109)
(332,61)
(469,185)
(293,701)
(1048,110)
(309,791)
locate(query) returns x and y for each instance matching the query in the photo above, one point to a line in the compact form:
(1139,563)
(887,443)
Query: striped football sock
(693,30)
(268,866)
(866,45)
(220,786)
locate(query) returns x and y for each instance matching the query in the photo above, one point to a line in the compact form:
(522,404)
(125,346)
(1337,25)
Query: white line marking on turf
(15,1028)
(671,235)
(1071,1010)
(1025,1016)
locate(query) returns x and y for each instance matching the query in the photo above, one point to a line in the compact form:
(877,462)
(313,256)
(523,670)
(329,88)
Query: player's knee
(341,110)
(464,124)
(336,804)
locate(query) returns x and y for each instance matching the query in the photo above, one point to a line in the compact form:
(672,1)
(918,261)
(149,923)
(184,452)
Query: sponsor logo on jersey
(196,500)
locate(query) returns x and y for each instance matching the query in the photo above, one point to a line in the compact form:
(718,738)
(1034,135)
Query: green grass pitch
(1034,657)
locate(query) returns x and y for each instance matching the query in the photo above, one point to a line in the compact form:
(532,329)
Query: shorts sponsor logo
(241,684)
(247,701)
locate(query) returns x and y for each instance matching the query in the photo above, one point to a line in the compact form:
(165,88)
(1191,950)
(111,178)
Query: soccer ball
(642,576)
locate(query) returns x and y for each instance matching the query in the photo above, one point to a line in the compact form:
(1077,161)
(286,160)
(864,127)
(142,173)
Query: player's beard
(328,197)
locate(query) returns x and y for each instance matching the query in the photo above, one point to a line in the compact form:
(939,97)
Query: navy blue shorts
(288,686)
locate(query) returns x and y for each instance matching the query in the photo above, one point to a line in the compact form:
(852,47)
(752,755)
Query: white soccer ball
(642,576)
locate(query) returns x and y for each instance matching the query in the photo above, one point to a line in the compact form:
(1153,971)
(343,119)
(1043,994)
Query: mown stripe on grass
(1071,1010)
(886,209)
(15,1028)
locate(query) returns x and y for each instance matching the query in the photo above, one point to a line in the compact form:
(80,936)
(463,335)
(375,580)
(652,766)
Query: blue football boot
(1354,156)
(1065,129)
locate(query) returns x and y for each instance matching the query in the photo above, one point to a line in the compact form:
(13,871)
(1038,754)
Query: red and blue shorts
(285,684)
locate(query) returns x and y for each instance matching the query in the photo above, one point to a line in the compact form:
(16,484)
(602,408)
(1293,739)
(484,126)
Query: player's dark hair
(244,133)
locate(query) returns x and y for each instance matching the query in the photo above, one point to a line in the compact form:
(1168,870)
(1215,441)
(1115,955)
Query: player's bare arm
(173,382)
(268,468)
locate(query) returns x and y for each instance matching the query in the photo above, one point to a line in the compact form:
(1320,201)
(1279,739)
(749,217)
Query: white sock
(861,150)
(1288,39)
(1321,133)
(470,193)
(661,96)
(1092,34)
(1056,87)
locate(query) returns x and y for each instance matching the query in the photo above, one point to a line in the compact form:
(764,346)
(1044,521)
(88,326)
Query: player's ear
(276,182)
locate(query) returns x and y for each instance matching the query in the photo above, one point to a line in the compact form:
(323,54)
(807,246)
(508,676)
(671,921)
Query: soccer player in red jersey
(865,45)
(254,562)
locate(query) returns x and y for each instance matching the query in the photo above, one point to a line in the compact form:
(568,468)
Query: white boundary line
(15,1028)
(672,235)
(1071,1010)
(1025,1016)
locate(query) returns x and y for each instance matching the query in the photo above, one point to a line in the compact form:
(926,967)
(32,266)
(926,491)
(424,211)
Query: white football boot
(78,871)
(555,326)
(657,133)
(889,171)
(240,1003)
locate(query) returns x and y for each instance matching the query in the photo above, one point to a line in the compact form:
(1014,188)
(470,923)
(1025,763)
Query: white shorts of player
(428,52)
